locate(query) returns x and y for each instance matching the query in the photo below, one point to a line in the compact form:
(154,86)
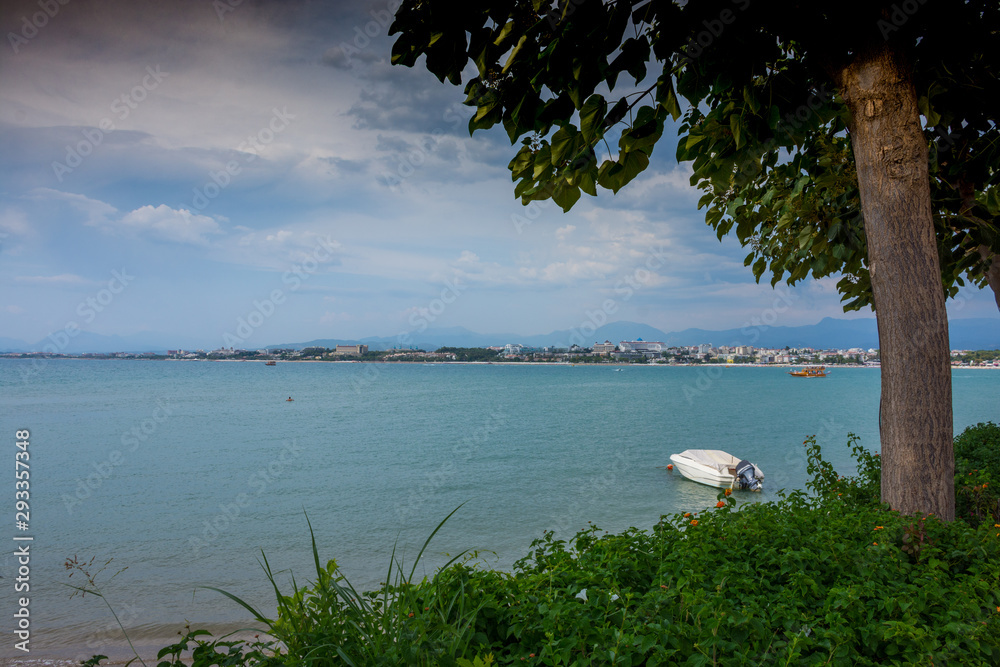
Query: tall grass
(330,622)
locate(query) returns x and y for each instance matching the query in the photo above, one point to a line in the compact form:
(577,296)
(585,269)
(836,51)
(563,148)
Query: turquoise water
(184,471)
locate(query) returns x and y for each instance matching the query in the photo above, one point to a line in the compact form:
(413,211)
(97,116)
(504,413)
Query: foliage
(764,120)
(977,474)
(470,353)
(976,356)
(831,577)
(192,650)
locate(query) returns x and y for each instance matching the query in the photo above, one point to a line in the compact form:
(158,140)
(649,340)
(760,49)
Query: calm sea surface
(183,472)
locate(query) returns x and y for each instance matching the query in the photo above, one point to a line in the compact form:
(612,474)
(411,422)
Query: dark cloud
(338,57)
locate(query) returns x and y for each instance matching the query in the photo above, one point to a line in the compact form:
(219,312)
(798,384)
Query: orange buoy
(670,466)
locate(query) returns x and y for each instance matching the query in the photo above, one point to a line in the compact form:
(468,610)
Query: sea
(157,479)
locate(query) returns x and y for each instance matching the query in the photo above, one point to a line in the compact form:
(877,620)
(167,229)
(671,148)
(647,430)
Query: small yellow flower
(878,527)
(694,522)
(729,492)
(875,543)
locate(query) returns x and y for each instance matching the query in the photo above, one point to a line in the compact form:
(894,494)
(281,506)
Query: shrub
(977,474)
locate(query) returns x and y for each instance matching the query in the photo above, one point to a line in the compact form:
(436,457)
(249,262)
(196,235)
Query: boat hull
(711,467)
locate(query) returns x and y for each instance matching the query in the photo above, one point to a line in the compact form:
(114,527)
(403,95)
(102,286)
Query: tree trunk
(993,275)
(916,410)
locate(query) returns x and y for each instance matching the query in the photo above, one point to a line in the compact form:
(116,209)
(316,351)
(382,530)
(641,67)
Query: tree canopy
(763,124)
(834,138)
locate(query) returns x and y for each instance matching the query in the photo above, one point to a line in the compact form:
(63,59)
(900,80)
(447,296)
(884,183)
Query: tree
(803,122)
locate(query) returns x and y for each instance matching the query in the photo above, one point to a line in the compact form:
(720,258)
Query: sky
(230,170)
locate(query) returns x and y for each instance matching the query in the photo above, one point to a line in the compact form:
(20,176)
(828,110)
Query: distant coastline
(607,364)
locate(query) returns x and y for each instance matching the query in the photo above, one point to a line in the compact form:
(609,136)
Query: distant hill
(13,345)
(979,334)
(86,341)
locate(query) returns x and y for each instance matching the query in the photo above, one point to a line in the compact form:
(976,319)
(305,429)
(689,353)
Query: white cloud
(13,223)
(564,232)
(279,249)
(169,224)
(99,214)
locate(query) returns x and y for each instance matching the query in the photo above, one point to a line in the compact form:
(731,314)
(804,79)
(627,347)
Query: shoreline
(831,367)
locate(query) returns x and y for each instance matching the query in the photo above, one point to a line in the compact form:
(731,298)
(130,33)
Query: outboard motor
(748,480)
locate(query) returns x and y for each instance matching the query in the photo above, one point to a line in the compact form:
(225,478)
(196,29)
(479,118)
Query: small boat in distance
(271,363)
(809,372)
(714,467)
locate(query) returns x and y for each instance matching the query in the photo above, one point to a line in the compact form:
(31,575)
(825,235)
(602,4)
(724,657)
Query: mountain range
(966,334)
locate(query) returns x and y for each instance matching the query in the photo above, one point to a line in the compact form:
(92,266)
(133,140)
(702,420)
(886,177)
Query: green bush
(977,474)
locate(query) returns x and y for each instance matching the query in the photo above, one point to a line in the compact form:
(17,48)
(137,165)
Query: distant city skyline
(975,333)
(258,172)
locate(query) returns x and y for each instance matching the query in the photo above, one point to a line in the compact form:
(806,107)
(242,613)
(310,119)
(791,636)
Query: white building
(641,345)
(605,348)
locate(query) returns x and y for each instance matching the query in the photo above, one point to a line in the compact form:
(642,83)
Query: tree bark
(916,410)
(993,275)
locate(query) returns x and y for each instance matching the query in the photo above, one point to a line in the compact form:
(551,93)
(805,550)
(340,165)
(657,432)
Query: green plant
(76,566)
(222,652)
(977,474)
(405,622)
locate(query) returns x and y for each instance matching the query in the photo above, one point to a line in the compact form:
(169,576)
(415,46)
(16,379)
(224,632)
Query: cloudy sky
(177,167)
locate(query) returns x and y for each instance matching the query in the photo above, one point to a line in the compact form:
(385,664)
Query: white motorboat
(714,467)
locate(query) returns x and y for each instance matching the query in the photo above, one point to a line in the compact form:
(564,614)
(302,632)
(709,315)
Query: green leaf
(734,126)
(504,33)
(592,118)
(666,96)
(562,145)
(513,54)
(565,196)
(928,112)
(617,112)
(521,163)
(693,139)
